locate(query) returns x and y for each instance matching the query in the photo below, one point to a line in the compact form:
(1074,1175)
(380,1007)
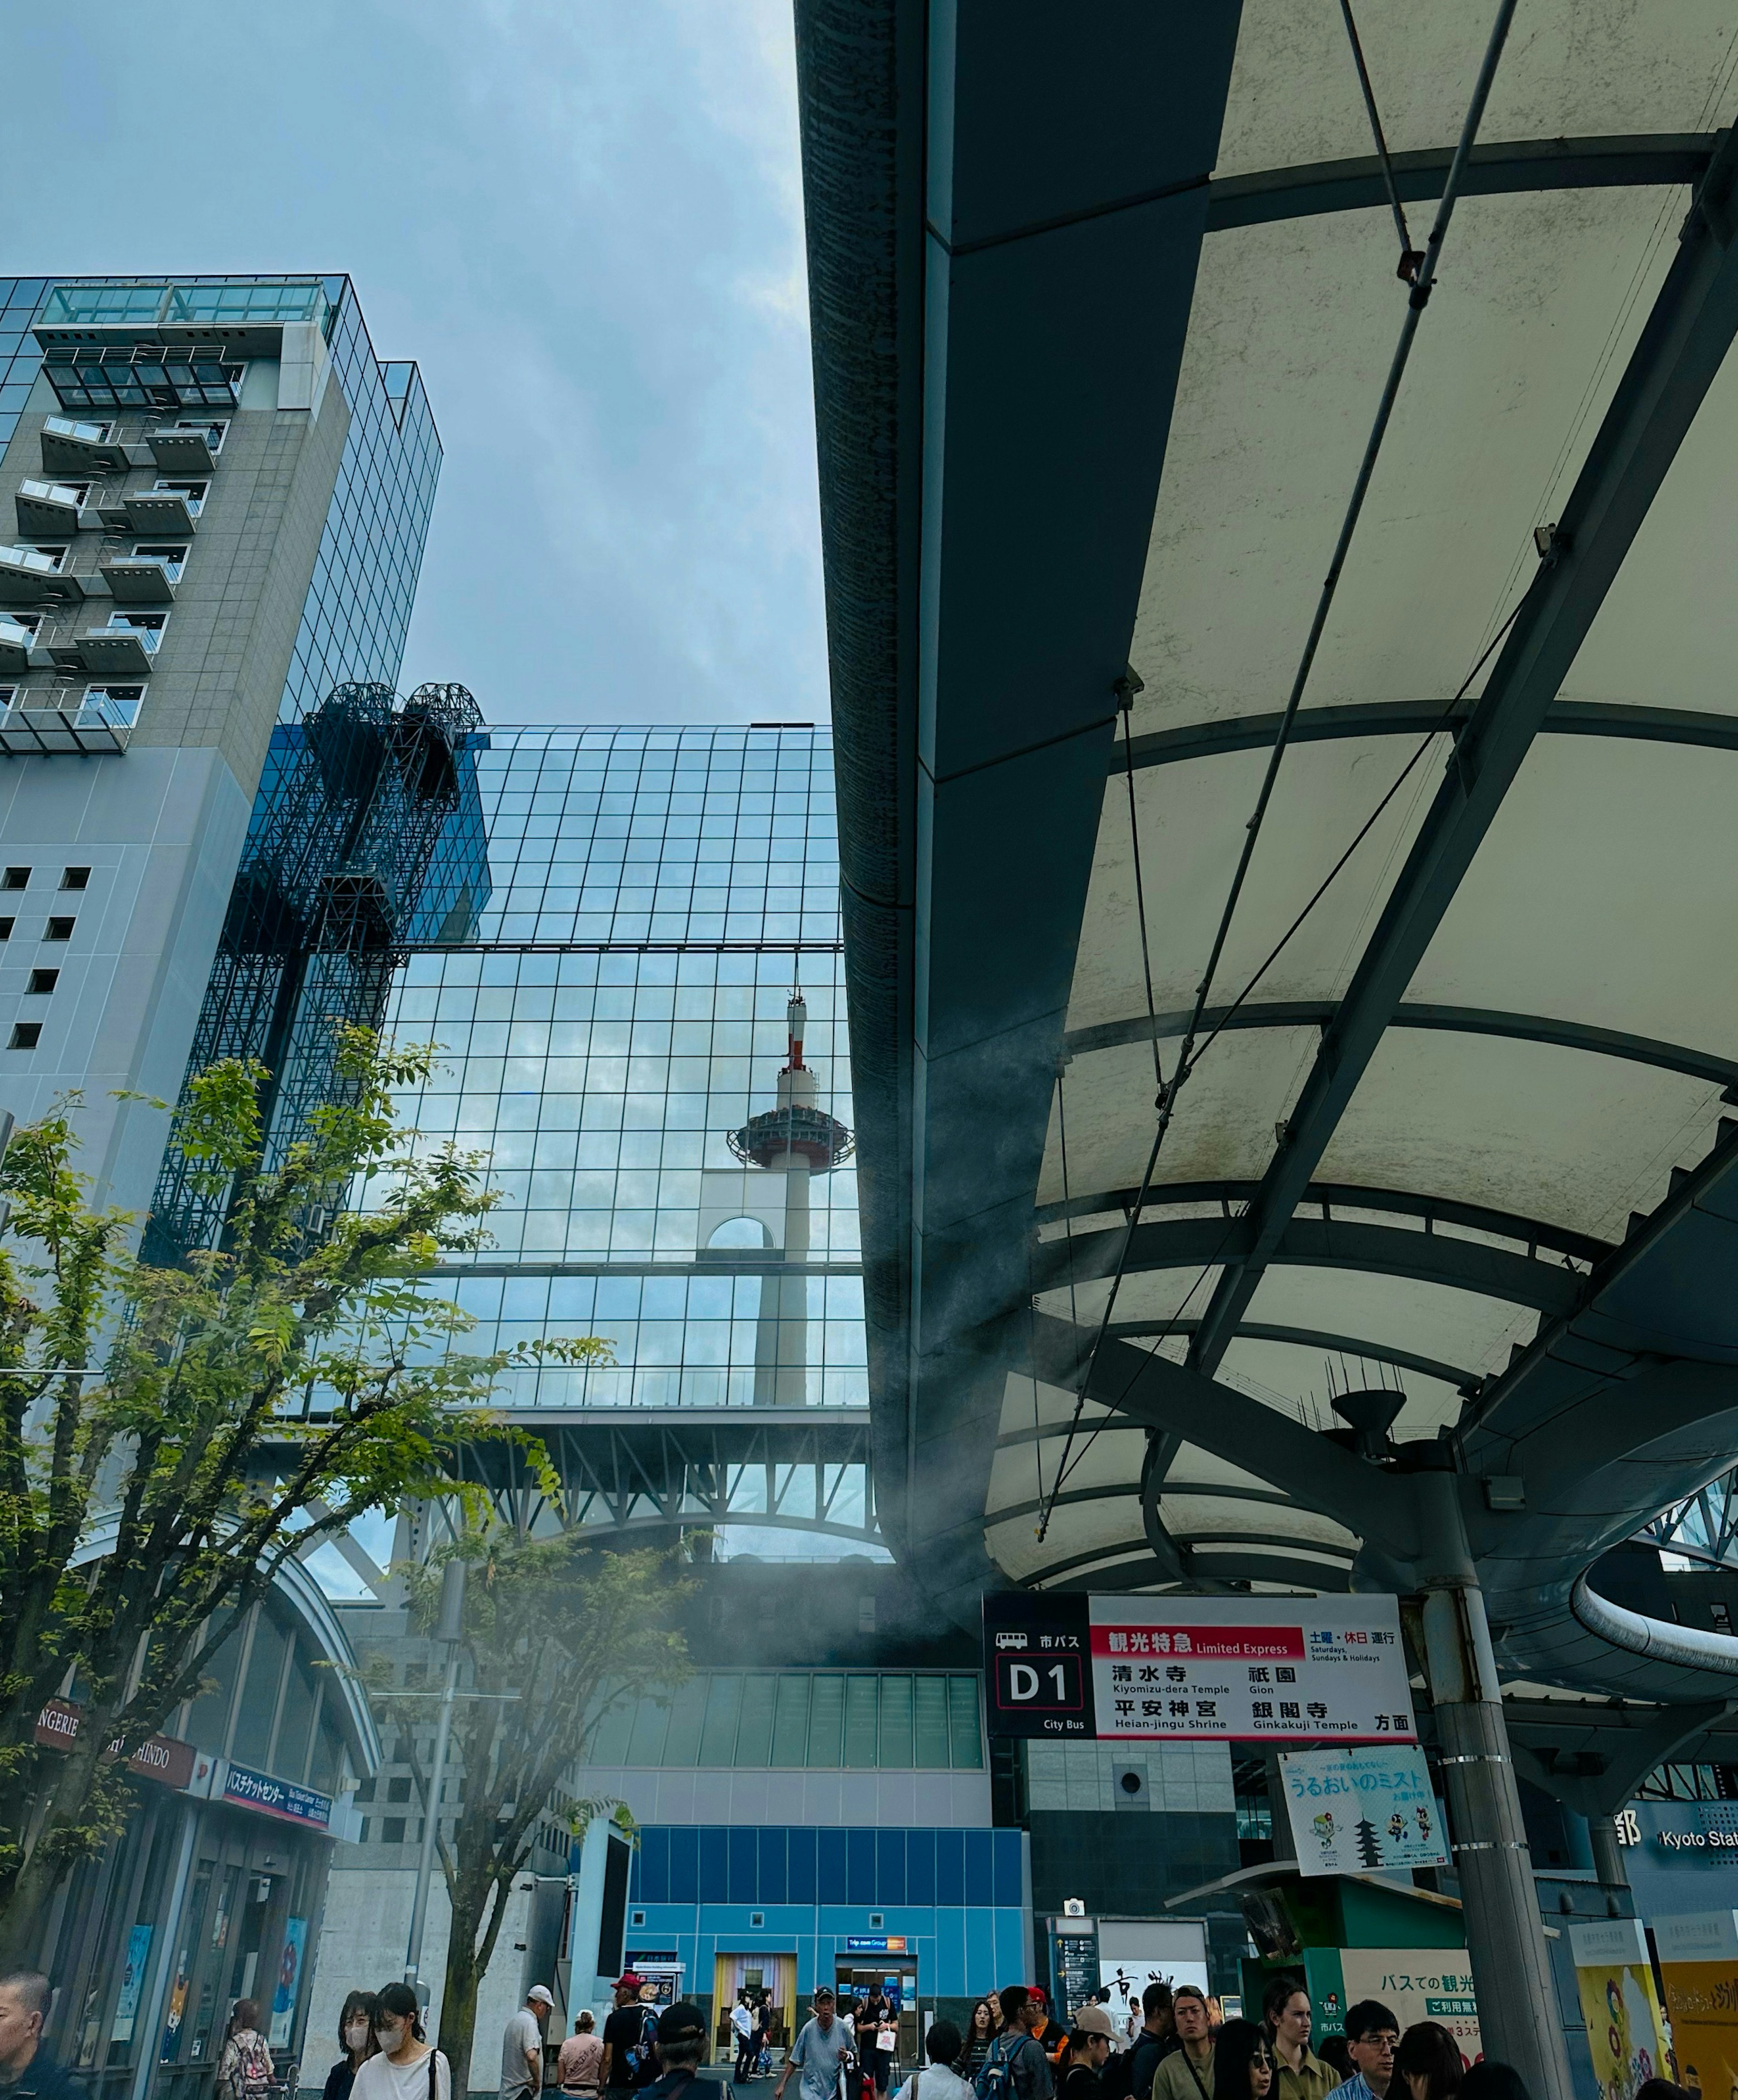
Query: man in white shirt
(521,2046)
(937,2080)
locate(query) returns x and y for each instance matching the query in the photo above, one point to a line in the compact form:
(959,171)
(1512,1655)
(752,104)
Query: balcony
(123,651)
(98,722)
(50,509)
(141,579)
(166,511)
(15,644)
(29,577)
(120,376)
(184,447)
(83,449)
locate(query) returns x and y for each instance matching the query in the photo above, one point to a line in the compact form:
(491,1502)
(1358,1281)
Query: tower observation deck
(797,1139)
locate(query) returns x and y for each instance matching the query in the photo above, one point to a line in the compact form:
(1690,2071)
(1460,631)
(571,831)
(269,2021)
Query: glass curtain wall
(656,896)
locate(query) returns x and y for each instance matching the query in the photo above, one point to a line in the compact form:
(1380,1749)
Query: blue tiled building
(956,1899)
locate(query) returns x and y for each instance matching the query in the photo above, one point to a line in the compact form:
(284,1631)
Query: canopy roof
(1105,302)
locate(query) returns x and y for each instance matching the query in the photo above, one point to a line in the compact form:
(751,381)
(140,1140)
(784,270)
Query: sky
(583,217)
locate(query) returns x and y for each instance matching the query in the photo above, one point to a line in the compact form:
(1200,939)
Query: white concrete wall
(361,1947)
(161,832)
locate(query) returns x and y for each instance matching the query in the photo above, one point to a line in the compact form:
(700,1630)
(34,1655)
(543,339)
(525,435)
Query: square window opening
(25,1035)
(41,983)
(15,878)
(73,878)
(58,930)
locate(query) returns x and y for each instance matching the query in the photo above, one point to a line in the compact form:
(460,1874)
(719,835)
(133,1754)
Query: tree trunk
(458,2002)
(25,1901)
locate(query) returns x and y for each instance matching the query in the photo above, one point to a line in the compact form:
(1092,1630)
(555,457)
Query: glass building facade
(656,896)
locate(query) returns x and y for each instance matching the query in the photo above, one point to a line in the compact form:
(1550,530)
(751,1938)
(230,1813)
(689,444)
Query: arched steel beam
(1108,1492)
(1331,724)
(1262,1330)
(1453,1020)
(1531,1232)
(1313,1243)
(1133,1574)
(1316,1338)
(1677,357)
(713,1520)
(1657,159)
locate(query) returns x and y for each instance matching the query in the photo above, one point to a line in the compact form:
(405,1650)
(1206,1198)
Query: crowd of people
(1186,2049)
(1011,2049)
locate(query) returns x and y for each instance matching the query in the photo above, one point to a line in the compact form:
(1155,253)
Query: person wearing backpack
(1017,2068)
(244,2069)
(630,2041)
(938,2081)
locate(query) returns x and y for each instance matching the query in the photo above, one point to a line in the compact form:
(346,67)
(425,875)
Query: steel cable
(1421,283)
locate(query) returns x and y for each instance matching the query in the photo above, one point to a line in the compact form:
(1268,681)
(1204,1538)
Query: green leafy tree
(246,1404)
(556,1634)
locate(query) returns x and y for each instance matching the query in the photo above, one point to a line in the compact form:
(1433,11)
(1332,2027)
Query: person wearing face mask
(356,2039)
(403,2066)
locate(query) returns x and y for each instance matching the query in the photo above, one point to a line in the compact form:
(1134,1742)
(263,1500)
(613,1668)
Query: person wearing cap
(679,2038)
(521,2046)
(630,2056)
(1187,2074)
(1090,2042)
(817,2051)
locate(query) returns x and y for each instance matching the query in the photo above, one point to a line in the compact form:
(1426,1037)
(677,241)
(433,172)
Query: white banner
(1237,1669)
(1359,1811)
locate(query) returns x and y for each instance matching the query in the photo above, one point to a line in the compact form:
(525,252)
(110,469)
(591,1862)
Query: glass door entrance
(858,1978)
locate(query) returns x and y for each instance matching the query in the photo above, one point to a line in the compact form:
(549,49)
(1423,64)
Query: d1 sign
(1197,1668)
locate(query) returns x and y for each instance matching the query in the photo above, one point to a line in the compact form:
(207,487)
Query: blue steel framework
(656,893)
(365,838)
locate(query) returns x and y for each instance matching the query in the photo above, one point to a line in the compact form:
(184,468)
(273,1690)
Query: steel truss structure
(366,842)
(788,1469)
(1704,1529)
(635,1480)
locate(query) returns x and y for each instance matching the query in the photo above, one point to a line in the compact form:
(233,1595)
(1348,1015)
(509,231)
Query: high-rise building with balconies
(213,498)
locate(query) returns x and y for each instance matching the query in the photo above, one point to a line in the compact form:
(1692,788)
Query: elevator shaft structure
(365,841)
(798,1140)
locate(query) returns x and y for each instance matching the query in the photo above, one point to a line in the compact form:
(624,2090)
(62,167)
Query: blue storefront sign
(1681,1855)
(280,1798)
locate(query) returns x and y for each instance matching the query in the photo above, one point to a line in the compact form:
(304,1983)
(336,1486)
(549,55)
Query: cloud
(583,218)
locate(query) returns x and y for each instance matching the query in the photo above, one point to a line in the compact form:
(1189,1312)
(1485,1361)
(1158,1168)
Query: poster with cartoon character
(1363,1809)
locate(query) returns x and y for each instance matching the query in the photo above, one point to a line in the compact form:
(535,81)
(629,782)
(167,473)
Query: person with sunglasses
(1243,2062)
(1372,2036)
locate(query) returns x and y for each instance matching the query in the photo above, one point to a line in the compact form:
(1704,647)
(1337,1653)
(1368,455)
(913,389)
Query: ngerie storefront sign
(165,1759)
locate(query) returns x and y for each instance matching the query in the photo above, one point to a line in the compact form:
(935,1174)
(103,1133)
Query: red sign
(1203,1644)
(165,1759)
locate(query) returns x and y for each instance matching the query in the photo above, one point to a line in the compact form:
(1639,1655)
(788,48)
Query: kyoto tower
(797,1139)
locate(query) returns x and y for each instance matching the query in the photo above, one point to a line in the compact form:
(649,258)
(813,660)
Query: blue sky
(582,217)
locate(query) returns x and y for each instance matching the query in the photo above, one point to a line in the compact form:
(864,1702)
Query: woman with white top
(406,2068)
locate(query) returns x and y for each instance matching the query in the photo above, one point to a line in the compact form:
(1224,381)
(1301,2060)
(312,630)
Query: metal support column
(451,1630)
(1511,1972)
(1607,1851)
